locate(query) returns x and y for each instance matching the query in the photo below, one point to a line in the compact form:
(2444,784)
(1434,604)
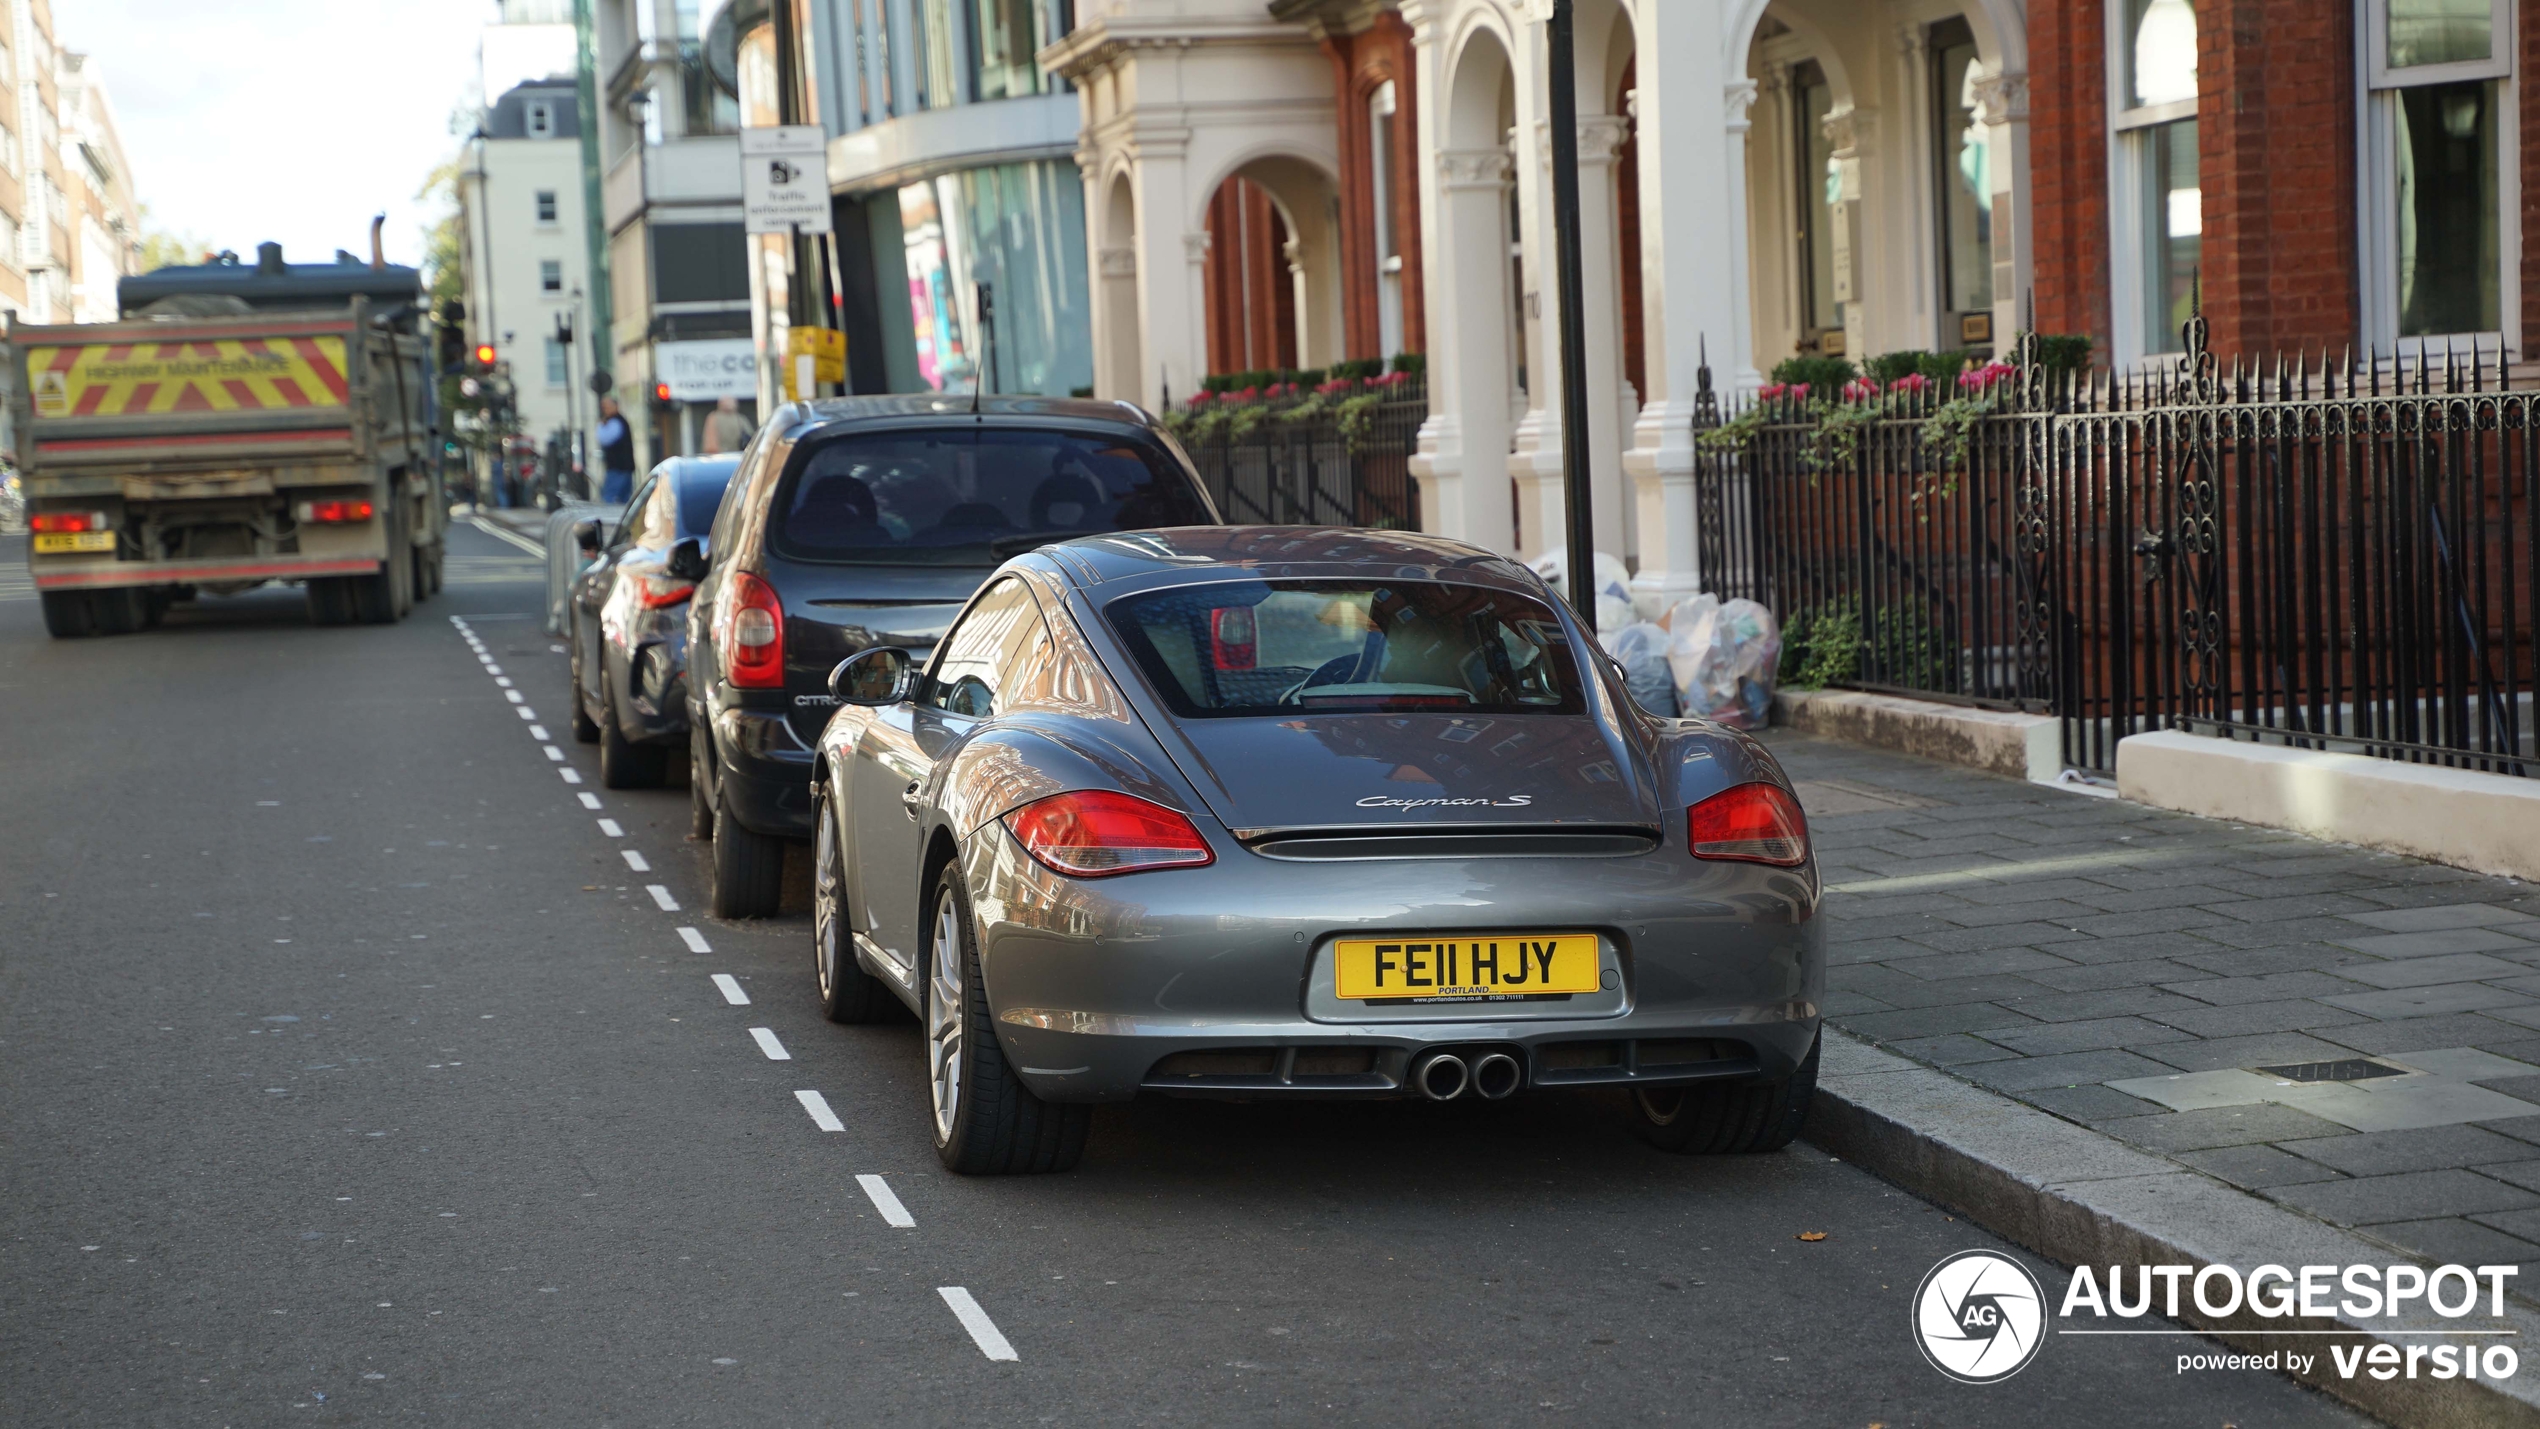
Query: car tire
(987,1123)
(748,869)
(625,764)
(700,806)
(1727,1119)
(848,994)
(585,729)
(69,614)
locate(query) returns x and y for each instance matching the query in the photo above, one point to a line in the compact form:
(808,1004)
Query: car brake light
(334,513)
(1095,834)
(47,523)
(754,635)
(1752,823)
(656,593)
(1233,639)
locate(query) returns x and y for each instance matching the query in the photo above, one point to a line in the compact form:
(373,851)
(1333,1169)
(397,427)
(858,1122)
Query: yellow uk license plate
(1495,967)
(55,543)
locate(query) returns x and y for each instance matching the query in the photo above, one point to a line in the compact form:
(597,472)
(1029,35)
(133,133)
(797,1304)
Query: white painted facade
(526,263)
(1178,94)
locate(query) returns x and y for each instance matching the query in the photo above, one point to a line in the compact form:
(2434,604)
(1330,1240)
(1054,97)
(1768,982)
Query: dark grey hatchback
(869,521)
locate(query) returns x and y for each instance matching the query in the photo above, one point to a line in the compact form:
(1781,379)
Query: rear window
(1289,647)
(970,496)
(701,494)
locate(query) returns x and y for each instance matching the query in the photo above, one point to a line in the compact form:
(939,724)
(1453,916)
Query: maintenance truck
(239,424)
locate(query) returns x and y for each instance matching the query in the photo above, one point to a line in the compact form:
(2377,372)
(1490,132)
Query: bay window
(2440,184)
(2157,204)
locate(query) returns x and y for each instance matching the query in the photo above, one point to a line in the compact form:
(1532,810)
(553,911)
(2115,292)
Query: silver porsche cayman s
(1304,812)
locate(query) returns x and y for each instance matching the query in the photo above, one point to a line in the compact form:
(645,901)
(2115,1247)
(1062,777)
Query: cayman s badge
(1387,801)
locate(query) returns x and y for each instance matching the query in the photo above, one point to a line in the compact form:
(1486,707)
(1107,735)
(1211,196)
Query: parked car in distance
(864,521)
(627,621)
(1296,812)
(566,559)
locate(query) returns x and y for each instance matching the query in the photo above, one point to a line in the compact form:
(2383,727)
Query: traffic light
(449,338)
(661,396)
(485,355)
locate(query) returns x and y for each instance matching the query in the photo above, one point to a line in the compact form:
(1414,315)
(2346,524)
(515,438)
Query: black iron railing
(2330,553)
(1344,462)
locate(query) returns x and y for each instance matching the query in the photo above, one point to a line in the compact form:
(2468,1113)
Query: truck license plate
(55,543)
(1491,967)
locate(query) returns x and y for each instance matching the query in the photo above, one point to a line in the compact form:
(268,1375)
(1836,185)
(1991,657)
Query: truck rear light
(1752,823)
(753,635)
(656,593)
(1096,833)
(334,513)
(48,523)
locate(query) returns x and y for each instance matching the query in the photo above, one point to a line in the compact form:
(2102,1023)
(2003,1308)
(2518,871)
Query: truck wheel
(119,612)
(402,568)
(330,601)
(68,615)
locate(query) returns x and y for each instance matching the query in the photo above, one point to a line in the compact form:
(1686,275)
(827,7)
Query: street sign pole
(1572,281)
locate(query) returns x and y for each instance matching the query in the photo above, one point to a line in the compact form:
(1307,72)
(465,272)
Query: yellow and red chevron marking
(148,378)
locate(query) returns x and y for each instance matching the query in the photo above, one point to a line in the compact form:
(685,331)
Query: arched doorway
(1271,279)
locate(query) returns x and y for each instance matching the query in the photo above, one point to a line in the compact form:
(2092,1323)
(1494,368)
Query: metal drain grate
(2352,1069)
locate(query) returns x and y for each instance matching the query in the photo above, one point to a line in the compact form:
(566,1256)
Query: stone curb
(2084,1198)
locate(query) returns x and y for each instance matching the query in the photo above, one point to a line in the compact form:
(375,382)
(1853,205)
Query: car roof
(950,407)
(1190,554)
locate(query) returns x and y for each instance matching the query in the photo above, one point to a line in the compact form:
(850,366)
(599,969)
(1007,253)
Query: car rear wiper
(1015,545)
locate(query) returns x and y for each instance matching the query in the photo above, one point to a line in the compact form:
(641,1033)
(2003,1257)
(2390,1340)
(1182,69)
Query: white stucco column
(2002,107)
(1601,309)
(1464,451)
(1166,259)
(1692,112)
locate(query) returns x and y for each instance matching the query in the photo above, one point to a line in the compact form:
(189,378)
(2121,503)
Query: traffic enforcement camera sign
(785,179)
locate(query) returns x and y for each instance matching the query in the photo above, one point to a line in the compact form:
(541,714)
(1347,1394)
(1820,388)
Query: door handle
(910,801)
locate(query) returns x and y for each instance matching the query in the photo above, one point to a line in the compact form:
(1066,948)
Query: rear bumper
(763,773)
(110,575)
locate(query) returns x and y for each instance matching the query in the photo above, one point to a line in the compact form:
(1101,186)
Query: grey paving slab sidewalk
(2155,975)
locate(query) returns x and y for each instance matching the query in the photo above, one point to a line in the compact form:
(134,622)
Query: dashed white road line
(992,1342)
(730,987)
(589,801)
(635,860)
(765,1037)
(503,680)
(525,712)
(893,1213)
(538,731)
(512,695)
(493,669)
(609,827)
(662,897)
(572,778)
(695,940)
(818,1106)
(554,753)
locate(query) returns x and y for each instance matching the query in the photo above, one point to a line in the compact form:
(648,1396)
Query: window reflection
(2433,32)
(1966,185)
(2448,269)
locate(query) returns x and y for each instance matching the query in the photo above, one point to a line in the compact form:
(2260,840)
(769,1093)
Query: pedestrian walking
(617,454)
(726,429)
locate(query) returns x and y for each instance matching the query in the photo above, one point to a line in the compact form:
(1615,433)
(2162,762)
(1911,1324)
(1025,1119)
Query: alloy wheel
(827,936)
(945,1007)
(1660,1105)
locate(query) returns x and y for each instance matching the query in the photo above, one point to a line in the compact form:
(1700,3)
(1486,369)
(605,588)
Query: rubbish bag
(1641,649)
(1723,657)
(1613,588)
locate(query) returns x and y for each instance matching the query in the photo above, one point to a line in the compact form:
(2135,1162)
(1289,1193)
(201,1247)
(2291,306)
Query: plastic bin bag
(1641,649)
(1723,657)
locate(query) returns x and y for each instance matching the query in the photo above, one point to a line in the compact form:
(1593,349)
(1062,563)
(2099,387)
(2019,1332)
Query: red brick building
(2330,172)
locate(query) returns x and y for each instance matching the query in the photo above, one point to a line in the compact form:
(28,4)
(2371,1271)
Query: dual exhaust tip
(1444,1076)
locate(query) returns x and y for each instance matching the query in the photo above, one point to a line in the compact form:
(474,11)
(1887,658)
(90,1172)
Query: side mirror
(879,676)
(687,560)
(586,534)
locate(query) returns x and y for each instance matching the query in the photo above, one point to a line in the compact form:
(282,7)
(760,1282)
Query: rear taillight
(1233,641)
(1753,823)
(334,513)
(1096,834)
(753,635)
(655,593)
(50,523)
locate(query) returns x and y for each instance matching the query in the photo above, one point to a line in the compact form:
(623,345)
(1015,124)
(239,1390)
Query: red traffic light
(661,392)
(485,354)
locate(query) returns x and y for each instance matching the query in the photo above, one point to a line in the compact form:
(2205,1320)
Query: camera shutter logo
(1979,1316)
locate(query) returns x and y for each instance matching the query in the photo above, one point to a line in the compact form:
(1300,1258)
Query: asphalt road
(349,1071)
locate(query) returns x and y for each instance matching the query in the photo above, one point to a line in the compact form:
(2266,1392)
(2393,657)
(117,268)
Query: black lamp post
(1572,281)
